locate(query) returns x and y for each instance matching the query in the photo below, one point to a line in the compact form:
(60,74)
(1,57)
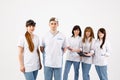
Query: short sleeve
(20,42)
(41,42)
(65,43)
(80,44)
(92,46)
(108,48)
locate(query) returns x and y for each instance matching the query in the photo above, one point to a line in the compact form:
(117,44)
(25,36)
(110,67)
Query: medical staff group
(54,45)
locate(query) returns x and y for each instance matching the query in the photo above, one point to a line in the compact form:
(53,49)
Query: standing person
(52,47)
(72,54)
(29,57)
(87,46)
(102,51)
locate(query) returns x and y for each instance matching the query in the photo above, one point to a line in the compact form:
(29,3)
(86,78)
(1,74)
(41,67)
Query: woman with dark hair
(102,51)
(72,56)
(29,56)
(87,48)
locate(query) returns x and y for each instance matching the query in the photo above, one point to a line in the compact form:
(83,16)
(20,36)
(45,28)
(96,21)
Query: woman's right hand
(22,69)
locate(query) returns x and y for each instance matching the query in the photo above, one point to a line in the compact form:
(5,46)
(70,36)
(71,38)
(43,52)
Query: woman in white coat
(74,43)
(102,51)
(87,46)
(28,49)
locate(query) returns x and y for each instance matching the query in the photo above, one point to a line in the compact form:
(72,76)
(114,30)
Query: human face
(101,35)
(53,25)
(30,29)
(76,32)
(88,34)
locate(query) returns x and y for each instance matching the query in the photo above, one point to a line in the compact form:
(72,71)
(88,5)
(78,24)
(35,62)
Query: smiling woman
(95,13)
(28,49)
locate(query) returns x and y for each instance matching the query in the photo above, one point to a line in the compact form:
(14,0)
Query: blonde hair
(91,34)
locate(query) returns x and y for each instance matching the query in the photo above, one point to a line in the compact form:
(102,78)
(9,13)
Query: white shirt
(100,57)
(54,45)
(31,59)
(73,42)
(88,47)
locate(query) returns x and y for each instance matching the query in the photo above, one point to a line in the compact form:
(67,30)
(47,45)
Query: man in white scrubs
(52,47)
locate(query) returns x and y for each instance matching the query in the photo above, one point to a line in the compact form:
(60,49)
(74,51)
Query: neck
(87,37)
(31,34)
(101,39)
(75,35)
(53,31)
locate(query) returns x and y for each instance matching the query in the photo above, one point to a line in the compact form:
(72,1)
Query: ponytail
(29,41)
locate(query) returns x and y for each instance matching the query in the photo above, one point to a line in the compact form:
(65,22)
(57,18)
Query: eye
(53,23)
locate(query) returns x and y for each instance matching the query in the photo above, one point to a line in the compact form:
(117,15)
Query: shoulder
(93,39)
(107,42)
(97,40)
(22,37)
(80,38)
(47,34)
(60,34)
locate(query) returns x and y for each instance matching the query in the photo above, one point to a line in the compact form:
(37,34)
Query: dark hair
(75,28)
(102,30)
(53,19)
(30,23)
(28,36)
(91,34)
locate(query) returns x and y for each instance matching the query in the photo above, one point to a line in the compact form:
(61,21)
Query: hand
(22,68)
(88,54)
(69,48)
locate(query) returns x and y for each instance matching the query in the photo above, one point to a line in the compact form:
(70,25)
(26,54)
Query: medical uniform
(72,58)
(100,58)
(53,55)
(87,61)
(31,59)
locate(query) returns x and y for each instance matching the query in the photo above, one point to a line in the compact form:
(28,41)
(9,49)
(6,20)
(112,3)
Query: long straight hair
(28,36)
(91,34)
(102,30)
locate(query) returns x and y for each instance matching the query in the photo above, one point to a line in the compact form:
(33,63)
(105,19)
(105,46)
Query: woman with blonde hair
(87,48)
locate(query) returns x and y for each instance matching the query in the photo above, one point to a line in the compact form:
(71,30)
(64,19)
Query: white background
(94,13)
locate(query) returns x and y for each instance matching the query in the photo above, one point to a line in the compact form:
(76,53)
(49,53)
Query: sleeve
(42,42)
(81,44)
(92,46)
(108,49)
(68,42)
(20,42)
(65,43)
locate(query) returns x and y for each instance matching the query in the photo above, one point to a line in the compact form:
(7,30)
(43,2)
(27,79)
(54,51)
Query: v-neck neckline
(53,35)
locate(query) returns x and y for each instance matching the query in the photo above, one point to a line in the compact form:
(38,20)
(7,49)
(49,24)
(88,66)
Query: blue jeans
(31,75)
(67,69)
(102,72)
(85,71)
(49,72)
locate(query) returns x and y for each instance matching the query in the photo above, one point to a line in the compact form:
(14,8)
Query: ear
(57,24)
